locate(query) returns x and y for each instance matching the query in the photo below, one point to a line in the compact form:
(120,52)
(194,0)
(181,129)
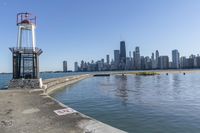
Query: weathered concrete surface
(27,111)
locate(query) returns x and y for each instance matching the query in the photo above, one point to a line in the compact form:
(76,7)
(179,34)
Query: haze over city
(89,30)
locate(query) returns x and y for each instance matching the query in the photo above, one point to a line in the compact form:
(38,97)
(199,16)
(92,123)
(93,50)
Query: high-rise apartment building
(153,61)
(147,63)
(157,56)
(122,55)
(123,51)
(142,59)
(137,60)
(163,62)
(183,62)
(107,59)
(152,56)
(76,66)
(64,66)
(116,58)
(128,63)
(175,59)
(130,54)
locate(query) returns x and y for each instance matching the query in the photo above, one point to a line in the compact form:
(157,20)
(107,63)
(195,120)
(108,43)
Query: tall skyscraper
(152,56)
(157,56)
(64,66)
(142,63)
(128,63)
(122,52)
(116,58)
(102,60)
(130,54)
(76,66)
(137,60)
(107,59)
(175,59)
(153,61)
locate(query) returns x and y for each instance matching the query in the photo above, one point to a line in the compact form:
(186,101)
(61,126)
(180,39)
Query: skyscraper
(116,58)
(128,63)
(152,56)
(107,59)
(122,52)
(183,62)
(130,54)
(64,66)
(137,60)
(76,66)
(133,61)
(163,62)
(147,63)
(153,61)
(157,56)
(175,59)
(142,62)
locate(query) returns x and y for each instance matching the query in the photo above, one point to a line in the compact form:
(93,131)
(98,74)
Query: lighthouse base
(25,84)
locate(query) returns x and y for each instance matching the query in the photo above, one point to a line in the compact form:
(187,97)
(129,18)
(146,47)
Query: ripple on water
(139,104)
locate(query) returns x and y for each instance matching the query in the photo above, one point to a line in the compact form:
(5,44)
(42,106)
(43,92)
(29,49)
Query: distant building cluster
(137,62)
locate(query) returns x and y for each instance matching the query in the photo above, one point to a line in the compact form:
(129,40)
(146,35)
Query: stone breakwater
(33,111)
(51,85)
(25,84)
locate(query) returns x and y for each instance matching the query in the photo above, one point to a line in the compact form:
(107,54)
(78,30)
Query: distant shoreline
(168,71)
(178,71)
(127,71)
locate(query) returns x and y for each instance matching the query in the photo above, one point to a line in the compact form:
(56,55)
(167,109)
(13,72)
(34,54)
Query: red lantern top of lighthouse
(26,18)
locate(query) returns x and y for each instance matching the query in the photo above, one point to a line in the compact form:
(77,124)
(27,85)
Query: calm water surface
(151,104)
(5,78)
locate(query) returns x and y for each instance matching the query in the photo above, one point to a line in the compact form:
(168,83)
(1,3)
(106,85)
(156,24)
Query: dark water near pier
(5,78)
(151,104)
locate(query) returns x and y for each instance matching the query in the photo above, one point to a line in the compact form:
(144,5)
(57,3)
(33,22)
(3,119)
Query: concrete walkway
(28,111)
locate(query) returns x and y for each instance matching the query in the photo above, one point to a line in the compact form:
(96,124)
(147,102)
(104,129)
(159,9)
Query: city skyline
(136,61)
(76,30)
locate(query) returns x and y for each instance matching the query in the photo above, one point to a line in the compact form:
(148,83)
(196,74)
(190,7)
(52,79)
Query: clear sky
(73,30)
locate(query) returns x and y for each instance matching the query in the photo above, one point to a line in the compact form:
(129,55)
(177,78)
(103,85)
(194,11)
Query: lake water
(140,104)
(5,78)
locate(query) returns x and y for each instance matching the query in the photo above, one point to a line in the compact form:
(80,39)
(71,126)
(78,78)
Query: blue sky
(73,30)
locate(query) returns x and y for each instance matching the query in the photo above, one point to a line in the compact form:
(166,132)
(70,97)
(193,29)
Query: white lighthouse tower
(26,26)
(26,54)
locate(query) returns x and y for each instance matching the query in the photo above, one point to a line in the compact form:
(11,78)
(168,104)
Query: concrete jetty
(34,111)
(53,84)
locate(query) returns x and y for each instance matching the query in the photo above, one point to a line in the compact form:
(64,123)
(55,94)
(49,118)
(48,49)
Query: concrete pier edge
(59,83)
(33,110)
(51,85)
